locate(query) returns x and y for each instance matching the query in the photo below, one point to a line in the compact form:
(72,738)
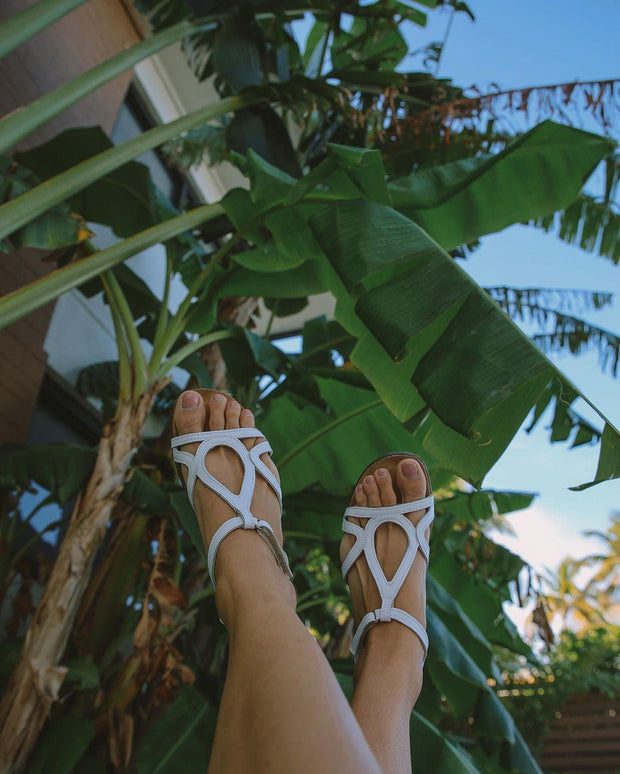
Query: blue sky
(516,45)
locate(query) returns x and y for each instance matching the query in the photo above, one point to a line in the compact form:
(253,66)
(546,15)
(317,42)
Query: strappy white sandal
(250,458)
(365,543)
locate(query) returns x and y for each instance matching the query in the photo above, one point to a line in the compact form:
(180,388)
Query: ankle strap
(250,459)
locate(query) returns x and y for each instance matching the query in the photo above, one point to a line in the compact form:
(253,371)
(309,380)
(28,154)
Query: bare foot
(243,556)
(389,639)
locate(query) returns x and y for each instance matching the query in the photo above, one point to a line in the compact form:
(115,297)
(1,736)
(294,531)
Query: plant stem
(271,319)
(189,348)
(22,26)
(140,371)
(179,319)
(124,368)
(310,592)
(23,209)
(45,501)
(162,320)
(37,677)
(328,345)
(20,302)
(303,536)
(324,49)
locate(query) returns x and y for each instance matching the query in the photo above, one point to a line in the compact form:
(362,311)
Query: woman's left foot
(391,640)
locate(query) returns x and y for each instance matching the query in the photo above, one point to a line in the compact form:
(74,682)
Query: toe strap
(396,614)
(365,544)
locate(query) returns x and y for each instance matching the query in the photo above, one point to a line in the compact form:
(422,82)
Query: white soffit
(172,90)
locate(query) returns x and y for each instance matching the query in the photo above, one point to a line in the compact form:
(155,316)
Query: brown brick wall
(87,36)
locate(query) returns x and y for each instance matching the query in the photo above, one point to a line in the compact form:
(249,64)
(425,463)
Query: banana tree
(328,208)
(338,228)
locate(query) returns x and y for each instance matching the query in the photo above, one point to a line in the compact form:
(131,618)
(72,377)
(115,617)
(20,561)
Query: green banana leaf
(469,363)
(189,721)
(64,469)
(540,172)
(57,227)
(122,199)
(61,746)
(434,752)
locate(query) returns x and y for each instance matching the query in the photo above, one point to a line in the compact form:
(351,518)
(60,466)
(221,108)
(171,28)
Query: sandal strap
(250,459)
(365,543)
(396,614)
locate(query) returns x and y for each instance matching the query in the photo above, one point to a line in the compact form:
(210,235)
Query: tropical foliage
(419,356)
(583,593)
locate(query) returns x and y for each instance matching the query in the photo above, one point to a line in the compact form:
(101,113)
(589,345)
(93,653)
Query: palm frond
(565,420)
(575,336)
(590,224)
(565,332)
(517,301)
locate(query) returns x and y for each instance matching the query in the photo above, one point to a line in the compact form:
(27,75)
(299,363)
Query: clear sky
(516,45)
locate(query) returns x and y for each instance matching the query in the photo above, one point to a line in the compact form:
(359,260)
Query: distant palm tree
(606,580)
(579,609)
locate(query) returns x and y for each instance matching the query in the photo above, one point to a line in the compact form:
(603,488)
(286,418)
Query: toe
(189,413)
(360,496)
(411,480)
(233,409)
(385,486)
(246,419)
(217,407)
(372,492)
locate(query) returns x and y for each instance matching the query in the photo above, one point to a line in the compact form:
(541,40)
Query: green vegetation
(360,184)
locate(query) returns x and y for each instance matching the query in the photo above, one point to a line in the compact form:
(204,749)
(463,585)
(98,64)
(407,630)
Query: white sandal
(250,458)
(365,543)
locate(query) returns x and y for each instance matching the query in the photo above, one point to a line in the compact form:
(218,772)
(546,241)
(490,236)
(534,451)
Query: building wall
(82,39)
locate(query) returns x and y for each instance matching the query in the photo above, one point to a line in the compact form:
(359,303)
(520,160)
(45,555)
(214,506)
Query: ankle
(391,663)
(249,578)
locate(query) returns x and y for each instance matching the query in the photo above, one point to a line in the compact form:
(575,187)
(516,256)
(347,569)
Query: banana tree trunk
(235,312)
(38,676)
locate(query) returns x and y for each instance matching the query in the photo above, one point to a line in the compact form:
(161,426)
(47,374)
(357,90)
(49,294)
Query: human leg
(388,672)
(282,709)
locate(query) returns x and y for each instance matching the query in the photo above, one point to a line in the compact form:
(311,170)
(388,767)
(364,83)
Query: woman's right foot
(243,557)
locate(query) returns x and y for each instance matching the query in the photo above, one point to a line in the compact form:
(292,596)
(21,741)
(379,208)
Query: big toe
(189,413)
(411,480)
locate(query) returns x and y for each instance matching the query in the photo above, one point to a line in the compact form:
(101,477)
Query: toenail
(368,480)
(232,404)
(190,400)
(247,412)
(382,473)
(218,396)
(411,469)
(359,488)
